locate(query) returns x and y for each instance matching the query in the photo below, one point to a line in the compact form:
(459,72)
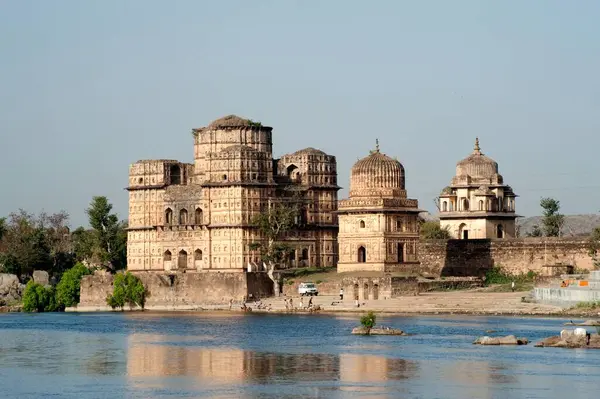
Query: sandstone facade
(478,204)
(197,217)
(379,230)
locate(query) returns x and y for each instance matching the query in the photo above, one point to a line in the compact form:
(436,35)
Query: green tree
(430,230)
(552,219)
(368,320)
(25,244)
(273,224)
(37,298)
(83,244)
(535,231)
(68,289)
(108,235)
(127,290)
(594,247)
(2,227)
(58,237)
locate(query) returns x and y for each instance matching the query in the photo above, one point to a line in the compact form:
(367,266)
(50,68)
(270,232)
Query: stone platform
(572,290)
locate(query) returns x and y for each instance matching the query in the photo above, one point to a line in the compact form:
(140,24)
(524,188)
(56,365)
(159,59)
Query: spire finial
(377,145)
(477,149)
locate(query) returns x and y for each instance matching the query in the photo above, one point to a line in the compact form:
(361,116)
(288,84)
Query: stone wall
(519,255)
(182,289)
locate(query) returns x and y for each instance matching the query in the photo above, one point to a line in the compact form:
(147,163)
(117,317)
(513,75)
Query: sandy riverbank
(470,302)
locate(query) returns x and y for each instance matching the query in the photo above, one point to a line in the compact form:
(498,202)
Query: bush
(38,298)
(68,289)
(127,289)
(496,275)
(368,320)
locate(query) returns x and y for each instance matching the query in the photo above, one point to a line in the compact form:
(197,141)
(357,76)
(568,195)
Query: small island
(368,327)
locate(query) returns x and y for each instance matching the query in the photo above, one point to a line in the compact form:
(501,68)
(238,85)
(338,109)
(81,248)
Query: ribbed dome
(477,165)
(376,172)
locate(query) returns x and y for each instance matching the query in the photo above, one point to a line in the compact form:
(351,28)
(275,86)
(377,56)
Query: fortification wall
(519,255)
(208,288)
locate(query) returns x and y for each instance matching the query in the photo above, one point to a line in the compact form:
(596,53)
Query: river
(219,355)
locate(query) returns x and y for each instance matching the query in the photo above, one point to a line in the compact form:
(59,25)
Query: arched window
(183,216)
(198,216)
(399,224)
(167,256)
(400,250)
(182,259)
(366,291)
(305,254)
(500,204)
(444,206)
(465,204)
(362,255)
(481,205)
(376,291)
(362,224)
(175,172)
(499,231)
(197,254)
(168,217)
(463,232)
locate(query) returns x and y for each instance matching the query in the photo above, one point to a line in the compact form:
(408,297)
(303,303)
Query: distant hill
(575,225)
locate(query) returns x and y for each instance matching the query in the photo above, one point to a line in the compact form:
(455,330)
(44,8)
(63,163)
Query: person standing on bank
(512,286)
(341,294)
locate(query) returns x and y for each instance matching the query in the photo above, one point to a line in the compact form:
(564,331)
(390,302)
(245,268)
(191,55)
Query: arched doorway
(463,232)
(183,216)
(365,291)
(355,293)
(293,173)
(168,217)
(376,291)
(362,254)
(198,216)
(400,250)
(182,260)
(499,231)
(167,260)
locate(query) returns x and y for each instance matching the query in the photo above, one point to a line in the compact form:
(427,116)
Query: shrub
(68,289)
(496,275)
(127,289)
(368,320)
(38,298)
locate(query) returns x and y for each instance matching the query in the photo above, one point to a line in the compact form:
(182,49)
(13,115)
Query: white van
(308,289)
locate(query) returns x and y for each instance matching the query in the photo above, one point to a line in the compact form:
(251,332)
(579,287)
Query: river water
(219,355)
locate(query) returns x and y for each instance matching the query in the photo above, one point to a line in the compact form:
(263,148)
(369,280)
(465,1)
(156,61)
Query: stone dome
(376,173)
(309,151)
(477,165)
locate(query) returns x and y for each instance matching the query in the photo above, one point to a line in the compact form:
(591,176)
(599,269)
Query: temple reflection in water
(158,356)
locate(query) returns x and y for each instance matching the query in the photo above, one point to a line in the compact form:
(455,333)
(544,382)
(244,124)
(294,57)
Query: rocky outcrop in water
(11,289)
(571,342)
(377,331)
(508,340)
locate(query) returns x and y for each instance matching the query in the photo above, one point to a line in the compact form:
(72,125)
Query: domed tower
(378,223)
(230,130)
(477,203)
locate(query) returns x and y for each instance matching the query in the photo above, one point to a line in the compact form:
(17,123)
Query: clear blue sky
(88,87)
